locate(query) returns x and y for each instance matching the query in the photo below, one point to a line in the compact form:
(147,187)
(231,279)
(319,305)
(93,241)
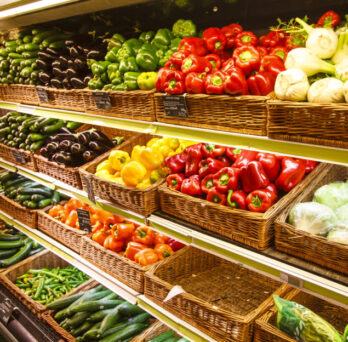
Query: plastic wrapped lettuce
(333,195)
(303,324)
(342,213)
(312,217)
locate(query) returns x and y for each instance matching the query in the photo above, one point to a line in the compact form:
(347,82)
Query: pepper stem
(256,201)
(174,183)
(224,178)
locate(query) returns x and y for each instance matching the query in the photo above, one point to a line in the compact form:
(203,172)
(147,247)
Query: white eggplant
(326,90)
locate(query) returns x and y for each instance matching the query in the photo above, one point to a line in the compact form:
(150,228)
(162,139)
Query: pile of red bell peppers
(227,60)
(241,179)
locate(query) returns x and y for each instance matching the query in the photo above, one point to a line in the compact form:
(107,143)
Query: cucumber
(11,244)
(32,205)
(36,136)
(42,35)
(29,55)
(128,331)
(81,329)
(64,302)
(77,319)
(98,315)
(21,254)
(53,128)
(116,327)
(36,197)
(141,318)
(110,320)
(8,237)
(53,38)
(45,202)
(128,309)
(13,182)
(32,191)
(93,333)
(183,339)
(6,176)
(35,146)
(56,197)
(6,253)
(96,305)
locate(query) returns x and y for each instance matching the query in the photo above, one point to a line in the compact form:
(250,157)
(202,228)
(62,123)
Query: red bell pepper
(230,33)
(259,200)
(310,165)
(226,179)
(209,166)
(247,58)
(175,180)
(244,158)
(273,64)
(194,157)
(270,164)
(261,83)
(294,41)
(171,65)
(228,65)
(253,176)
(274,38)
(262,51)
(214,83)
(292,173)
(214,60)
(245,38)
(175,245)
(329,19)
(225,160)
(174,82)
(194,63)
(273,191)
(178,57)
(193,45)
(195,82)
(224,55)
(280,51)
(212,150)
(214,39)
(192,186)
(207,183)
(177,162)
(261,39)
(232,153)
(216,197)
(235,82)
(236,199)
(161,78)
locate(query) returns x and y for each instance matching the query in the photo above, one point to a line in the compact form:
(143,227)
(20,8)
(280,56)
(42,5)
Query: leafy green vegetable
(339,234)
(333,195)
(342,213)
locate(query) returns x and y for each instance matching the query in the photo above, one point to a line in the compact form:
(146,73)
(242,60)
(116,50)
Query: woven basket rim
(61,166)
(307,104)
(123,93)
(224,96)
(17,205)
(16,149)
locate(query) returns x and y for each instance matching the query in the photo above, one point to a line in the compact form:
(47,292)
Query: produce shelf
(260,143)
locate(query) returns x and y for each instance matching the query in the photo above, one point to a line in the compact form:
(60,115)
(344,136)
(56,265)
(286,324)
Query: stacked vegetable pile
(29,132)
(15,246)
(241,179)
(326,215)
(77,149)
(28,193)
(99,315)
(131,64)
(47,284)
(318,72)
(144,167)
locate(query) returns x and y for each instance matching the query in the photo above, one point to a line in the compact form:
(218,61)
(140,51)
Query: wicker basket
(142,201)
(241,114)
(307,246)
(154,330)
(20,93)
(250,228)
(68,236)
(266,326)
(37,261)
(71,99)
(70,175)
(313,123)
(120,267)
(18,212)
(135,104)
(7,153)
(221,298)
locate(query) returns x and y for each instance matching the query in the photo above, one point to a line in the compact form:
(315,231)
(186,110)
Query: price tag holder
(43,95)
(102,99)
(6,309)
(90,192)
(291,280)
(84,220)
(19,156)
(175,105)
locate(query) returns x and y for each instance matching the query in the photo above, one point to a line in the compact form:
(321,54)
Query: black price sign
(102,99)
(90,192)
(175,105)
(84,220)
(6,309)
(19,156)
(42,93)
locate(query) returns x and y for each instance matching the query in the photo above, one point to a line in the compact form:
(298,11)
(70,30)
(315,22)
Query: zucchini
(23,198)
(29,55)
(128,309)
(77,319)
(20,255)
(56,197)
(35,197)
(98,315)
(13,182)
(96,305)
(46,122)
(6,176)
(15,55)
(163,337)
(42,35)
(53,38)
(64,302)
(8,237)
(35,146)
(110,320)
(45,202)
(73,125)
(36,137)
(31,47)
(32,205)
(53,128)
(35,251)
(6,253)
(81,329)
(27,39)
(128,331)
(11,244)
(32,191)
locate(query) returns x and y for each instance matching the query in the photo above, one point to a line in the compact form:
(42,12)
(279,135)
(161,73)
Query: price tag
(102,99)
(291,280)
(43,95)
(6,309)
(90,192)
(19,156)
(84,220)
(175,105)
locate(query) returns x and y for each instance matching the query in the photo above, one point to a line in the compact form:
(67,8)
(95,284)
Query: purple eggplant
(52,147)
(98,147)
(85,137)
(89,155)
(77,83)
(65,136)
(44,152)
(65,145)
(63,158)
(101,137)
(117,140)
(77,148)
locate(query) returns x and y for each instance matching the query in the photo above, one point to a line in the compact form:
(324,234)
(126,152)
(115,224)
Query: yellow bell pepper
(173,143)
(105,165)
(180,149)
(136,151)
(158,144)
(187,142)
(133,173)
(104,174)
(165,150)
(118,180)
(171,154)
(156,175)
(151,158)
(145,183)
(152,141)
(118,159)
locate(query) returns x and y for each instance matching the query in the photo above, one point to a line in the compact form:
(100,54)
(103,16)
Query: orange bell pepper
(72,219)
(113,244)
(100,236)
(55,210)
(160,238)
(97,226)
(163,251)
(74,204)
(144,235)
(104,216)
(123,231)
(146,256)
(132,249)
(111,221)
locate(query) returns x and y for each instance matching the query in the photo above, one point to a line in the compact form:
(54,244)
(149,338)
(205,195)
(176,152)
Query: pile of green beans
(47,284)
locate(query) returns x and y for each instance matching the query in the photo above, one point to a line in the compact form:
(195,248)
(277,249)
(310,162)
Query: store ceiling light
(32,7)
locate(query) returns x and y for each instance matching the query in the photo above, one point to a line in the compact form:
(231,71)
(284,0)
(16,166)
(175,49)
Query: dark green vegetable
(21,254)
(130,330)
(5,253)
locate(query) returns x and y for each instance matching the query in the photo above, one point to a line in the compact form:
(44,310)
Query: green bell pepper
(128,64)
(146,37)
(147,80)
(111,56)
(130,80)
(147,59)
(112,69)
(95,83)
(25,72)
(99,67)
(175,43)
(4,65)
(119,87)
(116,41)
(184,28)
(104,77)
(3,52)
(166,57)
(90,62)
(118,78)
(134,43)
(163,37)
(125,51)
(160,53)
(107,87)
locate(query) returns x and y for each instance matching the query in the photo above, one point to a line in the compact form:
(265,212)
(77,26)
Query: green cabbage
(312,217)
(342,213)
(332,195)
(303,324)
(339,235)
